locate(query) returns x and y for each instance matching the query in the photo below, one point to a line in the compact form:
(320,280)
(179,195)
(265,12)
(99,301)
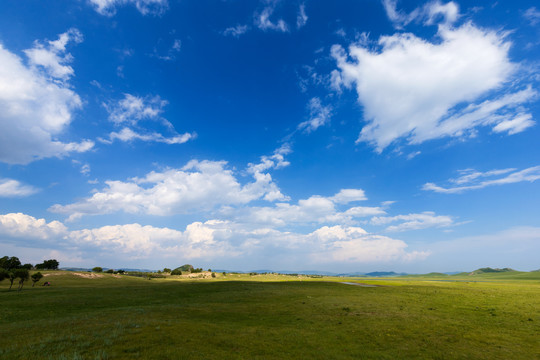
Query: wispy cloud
(532,15)
(427,219)
(14,188)
(128,135)
(263,21)
(319,115)
(471,179)
(236,31)
(301,18)
(145,7)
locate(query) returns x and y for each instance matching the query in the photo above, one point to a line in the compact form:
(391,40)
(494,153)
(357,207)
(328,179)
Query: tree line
(12,269)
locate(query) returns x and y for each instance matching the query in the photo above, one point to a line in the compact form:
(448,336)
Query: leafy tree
(51,264)
(22,275)
(97,269)
(166,270)
(176,271)
(110,271)
(10,263)
(121,271)
(36,277)
(4,274)
(213,274)
(27,266)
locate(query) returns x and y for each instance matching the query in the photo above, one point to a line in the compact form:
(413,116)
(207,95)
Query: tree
(176,271)
(110,271)
(10,263)
(166,270)
(4,274)
(22,275)
(36,277)
(51,264)
(97,269)
(27,266)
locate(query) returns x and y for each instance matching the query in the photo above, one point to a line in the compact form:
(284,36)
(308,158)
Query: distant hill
(384,273)
(488,270)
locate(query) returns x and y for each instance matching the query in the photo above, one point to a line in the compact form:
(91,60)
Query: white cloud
(210,240)
(22,226)
(14,188)
(532,15)
(128,135)
(429,13)
(472,179)
(236,31)
(319,115)
(423,220)
(419,90)
(145,7)
(301,18)
(353,244)
(85,169)
(133,239)
(132,109)
(36,103)
(198,186)
(263,22)
(515,125)
(315,209)
(345,196)
(52,58)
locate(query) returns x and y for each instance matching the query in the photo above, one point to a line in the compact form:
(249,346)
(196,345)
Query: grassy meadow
(486,316)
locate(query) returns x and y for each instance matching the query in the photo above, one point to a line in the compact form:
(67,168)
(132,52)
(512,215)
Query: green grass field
(272,317)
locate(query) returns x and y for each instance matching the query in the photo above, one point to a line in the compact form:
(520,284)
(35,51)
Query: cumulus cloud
(37,103)
(52,58)
(423,220)
(198,186)
(353,244)
(212,239)
(315,209)
(14,188)
(345,196)
(319,115)
(471,179)
(145,7)
(22,226)
(418,90)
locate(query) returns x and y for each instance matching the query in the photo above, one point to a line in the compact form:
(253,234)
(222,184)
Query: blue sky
(337,136)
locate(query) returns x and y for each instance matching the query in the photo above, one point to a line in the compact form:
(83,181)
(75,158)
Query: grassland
(272,317)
